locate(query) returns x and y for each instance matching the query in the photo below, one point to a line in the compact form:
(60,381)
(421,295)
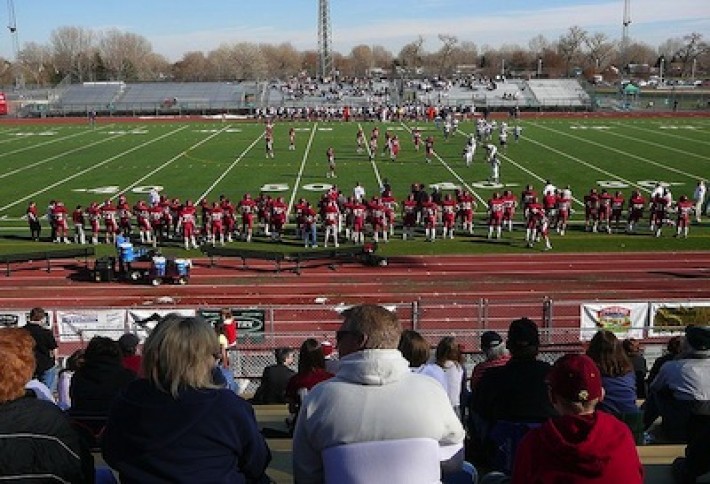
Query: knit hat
(490,339)
(698,337)
(523,332)
(575,378)
(128,342)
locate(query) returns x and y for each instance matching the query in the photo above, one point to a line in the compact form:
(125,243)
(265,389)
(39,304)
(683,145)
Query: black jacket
(37,439)
(273,385)
(95,385)
(515,392)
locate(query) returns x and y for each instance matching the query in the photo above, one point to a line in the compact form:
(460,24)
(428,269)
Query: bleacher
(137,98)
(559,93)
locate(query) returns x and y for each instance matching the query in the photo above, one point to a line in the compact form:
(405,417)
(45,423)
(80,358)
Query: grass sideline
(77,164)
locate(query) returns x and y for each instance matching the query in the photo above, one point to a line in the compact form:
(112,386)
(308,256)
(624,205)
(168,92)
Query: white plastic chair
(410,461)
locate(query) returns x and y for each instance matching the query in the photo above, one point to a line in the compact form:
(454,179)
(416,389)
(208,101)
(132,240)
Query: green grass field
(189,160)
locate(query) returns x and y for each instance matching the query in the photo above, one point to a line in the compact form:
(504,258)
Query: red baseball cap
(575,378)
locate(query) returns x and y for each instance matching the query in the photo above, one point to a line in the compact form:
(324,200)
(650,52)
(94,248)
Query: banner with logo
(671,318)
(82,325)
(142,321)
(625,319)
(16,319)
(251,323)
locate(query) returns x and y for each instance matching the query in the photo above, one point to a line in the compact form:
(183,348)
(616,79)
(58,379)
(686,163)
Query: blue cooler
(126,252)
(182,267)
(159,264)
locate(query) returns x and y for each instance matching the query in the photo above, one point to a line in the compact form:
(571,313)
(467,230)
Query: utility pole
(625,34)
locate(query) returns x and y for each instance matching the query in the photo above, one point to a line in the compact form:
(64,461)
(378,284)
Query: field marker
(659,145)
(37,145)
(625,153)
(300,170)
(91,168)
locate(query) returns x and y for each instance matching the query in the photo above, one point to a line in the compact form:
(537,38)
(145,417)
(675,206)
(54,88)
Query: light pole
(661,68)
(539,67)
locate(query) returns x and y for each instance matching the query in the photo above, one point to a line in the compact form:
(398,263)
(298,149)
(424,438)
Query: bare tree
(361,59)
(282,61)
(193,66)
(35,60)
(73,50)
(570,44)
(124,54)
(692,48)
(444,55)
(410,57)
(601,50)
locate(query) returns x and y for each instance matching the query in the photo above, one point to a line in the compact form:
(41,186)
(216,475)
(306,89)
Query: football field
(78,164)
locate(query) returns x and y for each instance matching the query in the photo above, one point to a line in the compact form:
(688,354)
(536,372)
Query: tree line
(81,54)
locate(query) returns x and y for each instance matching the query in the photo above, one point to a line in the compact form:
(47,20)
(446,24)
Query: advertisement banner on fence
(625,319)
(85,324)
(142,321)
(671,318)
(16,319)
(250,322)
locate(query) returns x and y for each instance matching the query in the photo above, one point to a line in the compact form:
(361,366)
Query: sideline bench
(363,254)
(47,255)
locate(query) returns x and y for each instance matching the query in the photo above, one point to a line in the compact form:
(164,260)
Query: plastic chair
(411,461)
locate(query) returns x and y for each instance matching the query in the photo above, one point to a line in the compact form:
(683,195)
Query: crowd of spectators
(167,412)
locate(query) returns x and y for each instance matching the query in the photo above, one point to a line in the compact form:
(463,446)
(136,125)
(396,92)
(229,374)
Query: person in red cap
(581,445)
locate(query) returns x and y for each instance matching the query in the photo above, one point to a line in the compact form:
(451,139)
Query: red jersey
(496,206)
(331,214)
(77,217)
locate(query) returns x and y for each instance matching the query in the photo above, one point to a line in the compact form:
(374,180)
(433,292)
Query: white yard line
(454,173)
(297,183)
(234,163)
(622,152)
(91,168)
(658,145)
(664,132)
(372,157)
(51,158)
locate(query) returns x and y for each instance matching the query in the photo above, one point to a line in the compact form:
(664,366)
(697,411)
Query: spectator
(45,348)
(376,397)
(72,364)
(632,347)
(416,351)
(99,379)
(130,359)
(448,357)
(673,349)
(176,425)
(581,445)
(311,371)
(496,355)
(517,391)
(682,387)
(274,379)
(618,377)
(35,437)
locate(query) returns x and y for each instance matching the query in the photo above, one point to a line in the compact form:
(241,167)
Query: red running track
(562,277)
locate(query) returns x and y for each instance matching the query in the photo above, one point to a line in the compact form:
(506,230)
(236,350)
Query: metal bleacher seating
(559,92)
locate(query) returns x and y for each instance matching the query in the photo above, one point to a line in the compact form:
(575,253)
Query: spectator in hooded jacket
(581,445)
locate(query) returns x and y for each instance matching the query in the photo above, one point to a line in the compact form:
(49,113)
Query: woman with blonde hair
(37,443)
(448,357)
(176,424)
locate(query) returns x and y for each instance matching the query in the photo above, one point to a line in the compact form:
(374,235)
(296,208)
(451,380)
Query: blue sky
(177,26)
